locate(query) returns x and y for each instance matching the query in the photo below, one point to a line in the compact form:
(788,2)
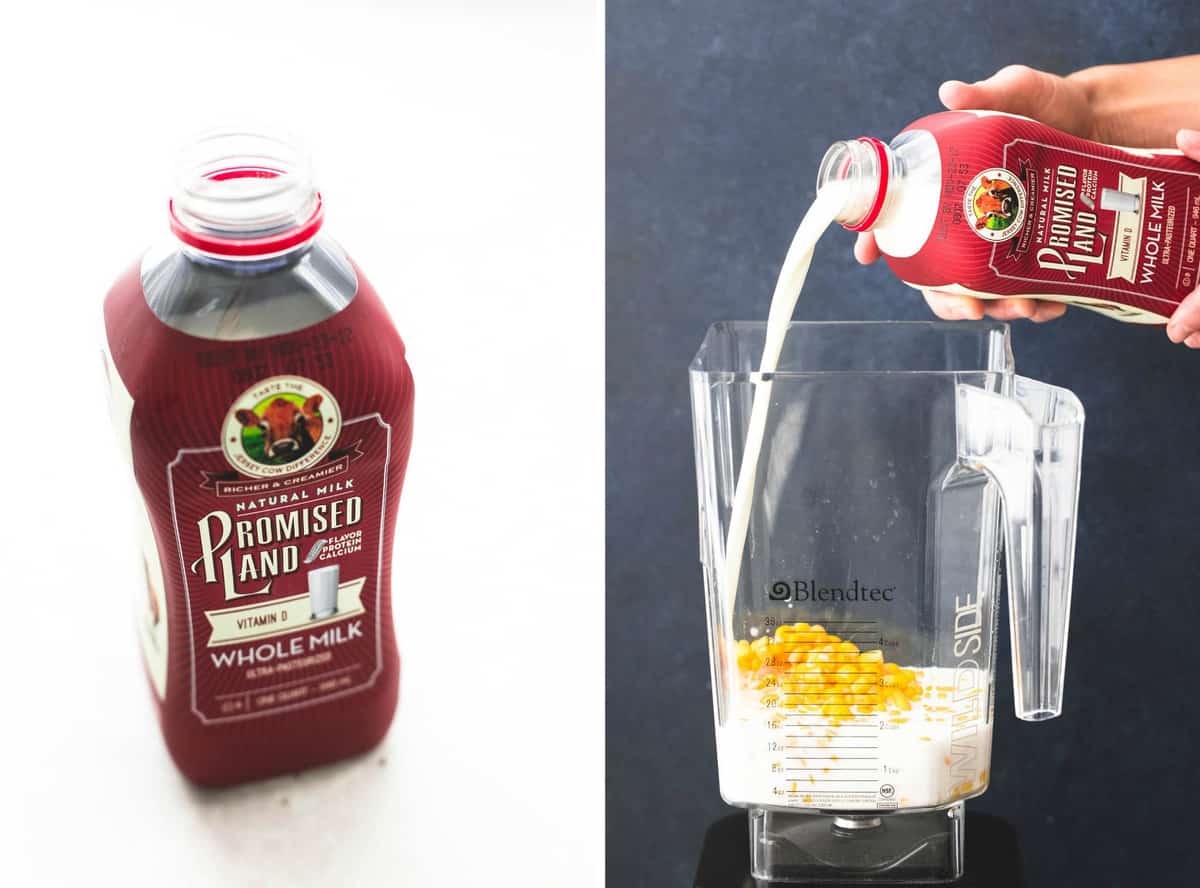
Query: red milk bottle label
(270,470)
(1026,210)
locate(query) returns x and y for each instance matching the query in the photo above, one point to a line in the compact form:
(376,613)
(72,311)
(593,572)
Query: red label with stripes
(270,469)
(1026,210)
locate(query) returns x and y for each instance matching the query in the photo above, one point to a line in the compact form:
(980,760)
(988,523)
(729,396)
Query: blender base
(856,849)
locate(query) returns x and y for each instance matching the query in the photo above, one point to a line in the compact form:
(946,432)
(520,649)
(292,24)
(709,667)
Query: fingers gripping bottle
(262,397)
(993,205)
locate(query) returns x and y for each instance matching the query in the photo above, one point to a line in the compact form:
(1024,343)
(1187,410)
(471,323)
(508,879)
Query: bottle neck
(863,170)
(248,265)
(245,199)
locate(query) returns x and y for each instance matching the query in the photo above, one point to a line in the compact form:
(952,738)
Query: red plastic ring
(255,246)
(881,193)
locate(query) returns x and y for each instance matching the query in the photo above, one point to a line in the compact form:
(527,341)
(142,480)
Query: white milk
(933,754)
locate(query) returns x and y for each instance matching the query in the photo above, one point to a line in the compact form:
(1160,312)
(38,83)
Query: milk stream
(820,216)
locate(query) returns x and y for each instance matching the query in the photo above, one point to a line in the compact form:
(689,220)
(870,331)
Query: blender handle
(1030,444)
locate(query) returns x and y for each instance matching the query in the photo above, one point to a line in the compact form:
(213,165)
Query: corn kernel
(824,675)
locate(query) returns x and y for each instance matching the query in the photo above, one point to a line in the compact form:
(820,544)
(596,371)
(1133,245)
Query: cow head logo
(994,205)
(280,425)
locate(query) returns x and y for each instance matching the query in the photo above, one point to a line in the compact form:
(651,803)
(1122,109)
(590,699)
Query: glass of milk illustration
(322,586)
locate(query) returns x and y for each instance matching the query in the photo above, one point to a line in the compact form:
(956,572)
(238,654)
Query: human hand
(1184,325)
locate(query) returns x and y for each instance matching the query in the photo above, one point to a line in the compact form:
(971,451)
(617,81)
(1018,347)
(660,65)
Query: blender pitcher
(852,642)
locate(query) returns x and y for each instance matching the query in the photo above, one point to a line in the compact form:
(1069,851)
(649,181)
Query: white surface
(459,149)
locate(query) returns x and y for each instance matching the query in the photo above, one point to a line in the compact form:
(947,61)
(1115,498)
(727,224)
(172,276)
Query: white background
(459,150)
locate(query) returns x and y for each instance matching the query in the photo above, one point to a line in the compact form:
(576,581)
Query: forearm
(1142,105)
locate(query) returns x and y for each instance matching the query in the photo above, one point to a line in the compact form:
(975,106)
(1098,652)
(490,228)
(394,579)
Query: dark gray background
(718,113)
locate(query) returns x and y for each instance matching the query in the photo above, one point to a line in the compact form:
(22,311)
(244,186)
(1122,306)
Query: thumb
(1017,89)
(1186,319)
(1189,143)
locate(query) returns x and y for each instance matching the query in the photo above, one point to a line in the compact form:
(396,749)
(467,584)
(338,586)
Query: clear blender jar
(852,642)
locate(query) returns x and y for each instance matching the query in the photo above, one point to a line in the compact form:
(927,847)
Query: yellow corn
(823,674)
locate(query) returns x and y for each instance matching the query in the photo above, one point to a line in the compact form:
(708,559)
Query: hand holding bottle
(1136,105)
(1184,325)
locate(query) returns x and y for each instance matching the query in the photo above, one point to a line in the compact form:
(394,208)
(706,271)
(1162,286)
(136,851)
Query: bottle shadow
(993,856)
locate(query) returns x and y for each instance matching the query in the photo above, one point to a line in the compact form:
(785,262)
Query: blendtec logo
(810,590)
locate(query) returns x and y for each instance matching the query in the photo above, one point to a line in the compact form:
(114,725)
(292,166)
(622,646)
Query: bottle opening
(245,195)
(860,168)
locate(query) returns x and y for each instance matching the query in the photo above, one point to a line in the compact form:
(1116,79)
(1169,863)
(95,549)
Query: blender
(852,642)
